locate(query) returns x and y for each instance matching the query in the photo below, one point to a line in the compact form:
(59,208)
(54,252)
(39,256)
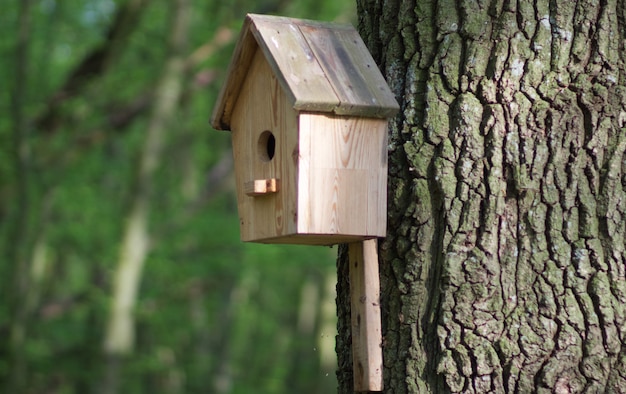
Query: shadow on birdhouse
(308,110)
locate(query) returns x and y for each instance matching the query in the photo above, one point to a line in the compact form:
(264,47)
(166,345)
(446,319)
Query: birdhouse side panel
(342,175)
(235,76)
(265,140)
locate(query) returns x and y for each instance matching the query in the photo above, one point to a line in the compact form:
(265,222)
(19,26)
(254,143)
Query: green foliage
(213,314)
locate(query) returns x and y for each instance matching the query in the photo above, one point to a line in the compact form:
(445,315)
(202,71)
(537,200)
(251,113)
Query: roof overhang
(322,67)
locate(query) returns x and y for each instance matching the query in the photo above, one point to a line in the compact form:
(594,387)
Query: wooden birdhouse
(308,110)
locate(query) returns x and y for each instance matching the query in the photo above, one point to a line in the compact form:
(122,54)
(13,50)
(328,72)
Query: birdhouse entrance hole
(267,146)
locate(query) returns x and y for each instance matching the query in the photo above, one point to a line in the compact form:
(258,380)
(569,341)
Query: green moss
(398,195)
(409,42)
(571,224)
(447,366)
(498,59)
(419,157)
(535,71)
(447,17)
(549,86)
(450,53)
(436,119)
(550,195)
(423,209)
(588,220)
(537,217)
(425,32)
(475,21)
(507,348)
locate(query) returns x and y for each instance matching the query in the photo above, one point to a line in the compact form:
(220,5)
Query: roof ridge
(325,67)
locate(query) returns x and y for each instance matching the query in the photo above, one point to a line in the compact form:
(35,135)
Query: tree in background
(121,269)
(504,268)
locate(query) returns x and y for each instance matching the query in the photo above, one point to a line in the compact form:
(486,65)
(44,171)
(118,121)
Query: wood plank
(340,202)
(235,76)
(308,22)
(294,64)
(367,354)
(342,175)
(377,199)
(262,107)
(346,141)
(377,203)
(349,66)
(260,187)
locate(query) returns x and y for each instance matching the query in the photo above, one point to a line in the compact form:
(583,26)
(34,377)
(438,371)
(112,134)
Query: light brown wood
(367,354)
(342,175)
(260,187)
(287,79)
(263,106)
(236,74)
(333,169)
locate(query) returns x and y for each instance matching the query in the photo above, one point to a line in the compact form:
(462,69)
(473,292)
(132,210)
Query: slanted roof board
(236,73)
(353,73)
(294,64)
(322,66)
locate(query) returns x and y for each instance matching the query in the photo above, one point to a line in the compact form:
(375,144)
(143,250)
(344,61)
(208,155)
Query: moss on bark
(504,268)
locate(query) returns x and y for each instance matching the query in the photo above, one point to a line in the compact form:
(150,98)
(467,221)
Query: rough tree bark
(504,268)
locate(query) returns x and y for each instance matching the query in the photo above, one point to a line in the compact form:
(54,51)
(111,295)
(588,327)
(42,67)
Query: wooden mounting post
(367,352)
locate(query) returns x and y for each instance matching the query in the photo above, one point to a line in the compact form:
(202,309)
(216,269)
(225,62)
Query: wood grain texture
(236,74)
(351,70)
(367,355)
(260,187)
(295,65)
(321,66)
(263,106)
(342,176)
(332,168)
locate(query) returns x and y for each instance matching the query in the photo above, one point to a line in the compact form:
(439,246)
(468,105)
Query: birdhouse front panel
(265,141)
(342,176)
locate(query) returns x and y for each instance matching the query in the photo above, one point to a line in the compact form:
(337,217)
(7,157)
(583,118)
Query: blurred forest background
(121,269)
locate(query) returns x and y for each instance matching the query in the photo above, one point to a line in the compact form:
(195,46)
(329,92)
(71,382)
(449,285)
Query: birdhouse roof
(322,67)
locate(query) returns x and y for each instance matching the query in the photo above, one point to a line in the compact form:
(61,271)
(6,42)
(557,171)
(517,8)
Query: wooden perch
(260,187)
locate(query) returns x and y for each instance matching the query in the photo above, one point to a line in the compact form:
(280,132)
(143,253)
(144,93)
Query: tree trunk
(119,336)
(18,245)
(504,267)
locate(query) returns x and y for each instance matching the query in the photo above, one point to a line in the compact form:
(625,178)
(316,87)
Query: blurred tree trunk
(94,64)
(304,346)
(18,255)
(327,331)
(228,331)
(119,336)
(504,268)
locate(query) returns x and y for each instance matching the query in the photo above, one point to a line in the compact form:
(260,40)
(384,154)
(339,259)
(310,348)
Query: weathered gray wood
(235,76)
(294,64)
(321,66)
(349,66)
